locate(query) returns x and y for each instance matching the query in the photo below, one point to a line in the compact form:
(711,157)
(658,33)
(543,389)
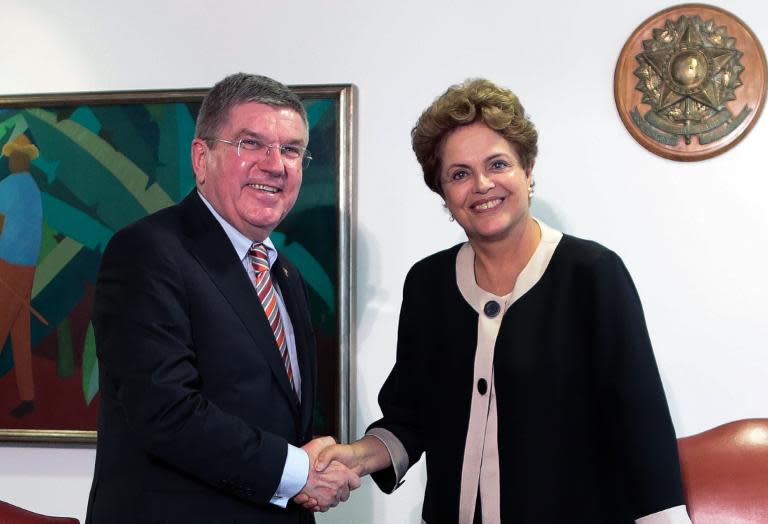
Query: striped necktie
(266,292)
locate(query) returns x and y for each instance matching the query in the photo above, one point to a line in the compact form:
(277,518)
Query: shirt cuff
(294,477)
(676,515)
(397,453)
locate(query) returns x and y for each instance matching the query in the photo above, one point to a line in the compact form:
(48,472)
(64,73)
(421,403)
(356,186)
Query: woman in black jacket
(524,368)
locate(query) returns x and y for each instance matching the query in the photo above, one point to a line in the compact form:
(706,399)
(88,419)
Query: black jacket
(584,432)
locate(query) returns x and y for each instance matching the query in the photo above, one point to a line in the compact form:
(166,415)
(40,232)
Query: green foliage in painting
(90,366)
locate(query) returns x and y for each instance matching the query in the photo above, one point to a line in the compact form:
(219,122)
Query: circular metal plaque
(690,82)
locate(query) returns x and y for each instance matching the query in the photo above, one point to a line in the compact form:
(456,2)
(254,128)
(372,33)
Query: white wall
(692,234)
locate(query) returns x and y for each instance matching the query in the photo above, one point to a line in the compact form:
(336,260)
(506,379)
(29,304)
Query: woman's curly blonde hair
(466,103)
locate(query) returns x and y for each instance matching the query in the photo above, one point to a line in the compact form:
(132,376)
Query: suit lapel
(210,246)
(291,287)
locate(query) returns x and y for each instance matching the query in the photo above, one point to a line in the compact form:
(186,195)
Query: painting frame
(339,111)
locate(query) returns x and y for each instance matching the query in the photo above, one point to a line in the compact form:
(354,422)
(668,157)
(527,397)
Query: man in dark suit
(206,351)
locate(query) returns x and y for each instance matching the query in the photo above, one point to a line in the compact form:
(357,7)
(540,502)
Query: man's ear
(199,152)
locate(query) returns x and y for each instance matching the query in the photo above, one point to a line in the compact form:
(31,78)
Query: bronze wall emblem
(690,82)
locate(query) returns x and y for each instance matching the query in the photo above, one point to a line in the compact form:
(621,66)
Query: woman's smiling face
(484,184)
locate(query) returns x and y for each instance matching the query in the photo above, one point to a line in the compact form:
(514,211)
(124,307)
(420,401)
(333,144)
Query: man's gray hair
(241,88)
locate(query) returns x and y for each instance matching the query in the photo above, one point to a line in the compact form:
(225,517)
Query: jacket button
(482,386)
(491,308)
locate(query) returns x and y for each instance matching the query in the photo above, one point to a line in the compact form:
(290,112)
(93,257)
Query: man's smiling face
(253,196)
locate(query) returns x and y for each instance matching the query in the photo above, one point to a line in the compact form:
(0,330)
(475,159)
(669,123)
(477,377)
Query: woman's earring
(531,189)
(450,218)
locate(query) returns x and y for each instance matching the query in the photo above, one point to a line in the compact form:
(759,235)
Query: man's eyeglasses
(254,150)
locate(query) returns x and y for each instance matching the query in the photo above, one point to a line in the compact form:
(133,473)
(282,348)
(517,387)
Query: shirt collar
(240,242)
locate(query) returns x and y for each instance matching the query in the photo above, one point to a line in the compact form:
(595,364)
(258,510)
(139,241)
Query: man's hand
(337,454)
(325,489)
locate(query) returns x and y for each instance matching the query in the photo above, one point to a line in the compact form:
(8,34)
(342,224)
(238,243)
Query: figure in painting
(21,222)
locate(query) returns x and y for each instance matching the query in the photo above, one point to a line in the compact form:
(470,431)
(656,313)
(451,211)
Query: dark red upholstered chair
(725,473)
(10,514)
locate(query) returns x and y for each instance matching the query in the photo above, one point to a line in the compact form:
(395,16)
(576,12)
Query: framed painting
(77,167)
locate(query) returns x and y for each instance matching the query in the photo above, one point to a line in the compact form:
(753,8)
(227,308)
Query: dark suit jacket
(196,409)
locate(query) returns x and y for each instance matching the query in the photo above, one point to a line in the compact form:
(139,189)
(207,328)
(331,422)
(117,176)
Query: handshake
(335,470)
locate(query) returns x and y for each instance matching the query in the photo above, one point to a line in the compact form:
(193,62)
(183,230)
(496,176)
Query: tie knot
(259,258)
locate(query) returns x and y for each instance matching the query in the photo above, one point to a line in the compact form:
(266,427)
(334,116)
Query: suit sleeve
(633,403)
(400,427)
(148,371)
